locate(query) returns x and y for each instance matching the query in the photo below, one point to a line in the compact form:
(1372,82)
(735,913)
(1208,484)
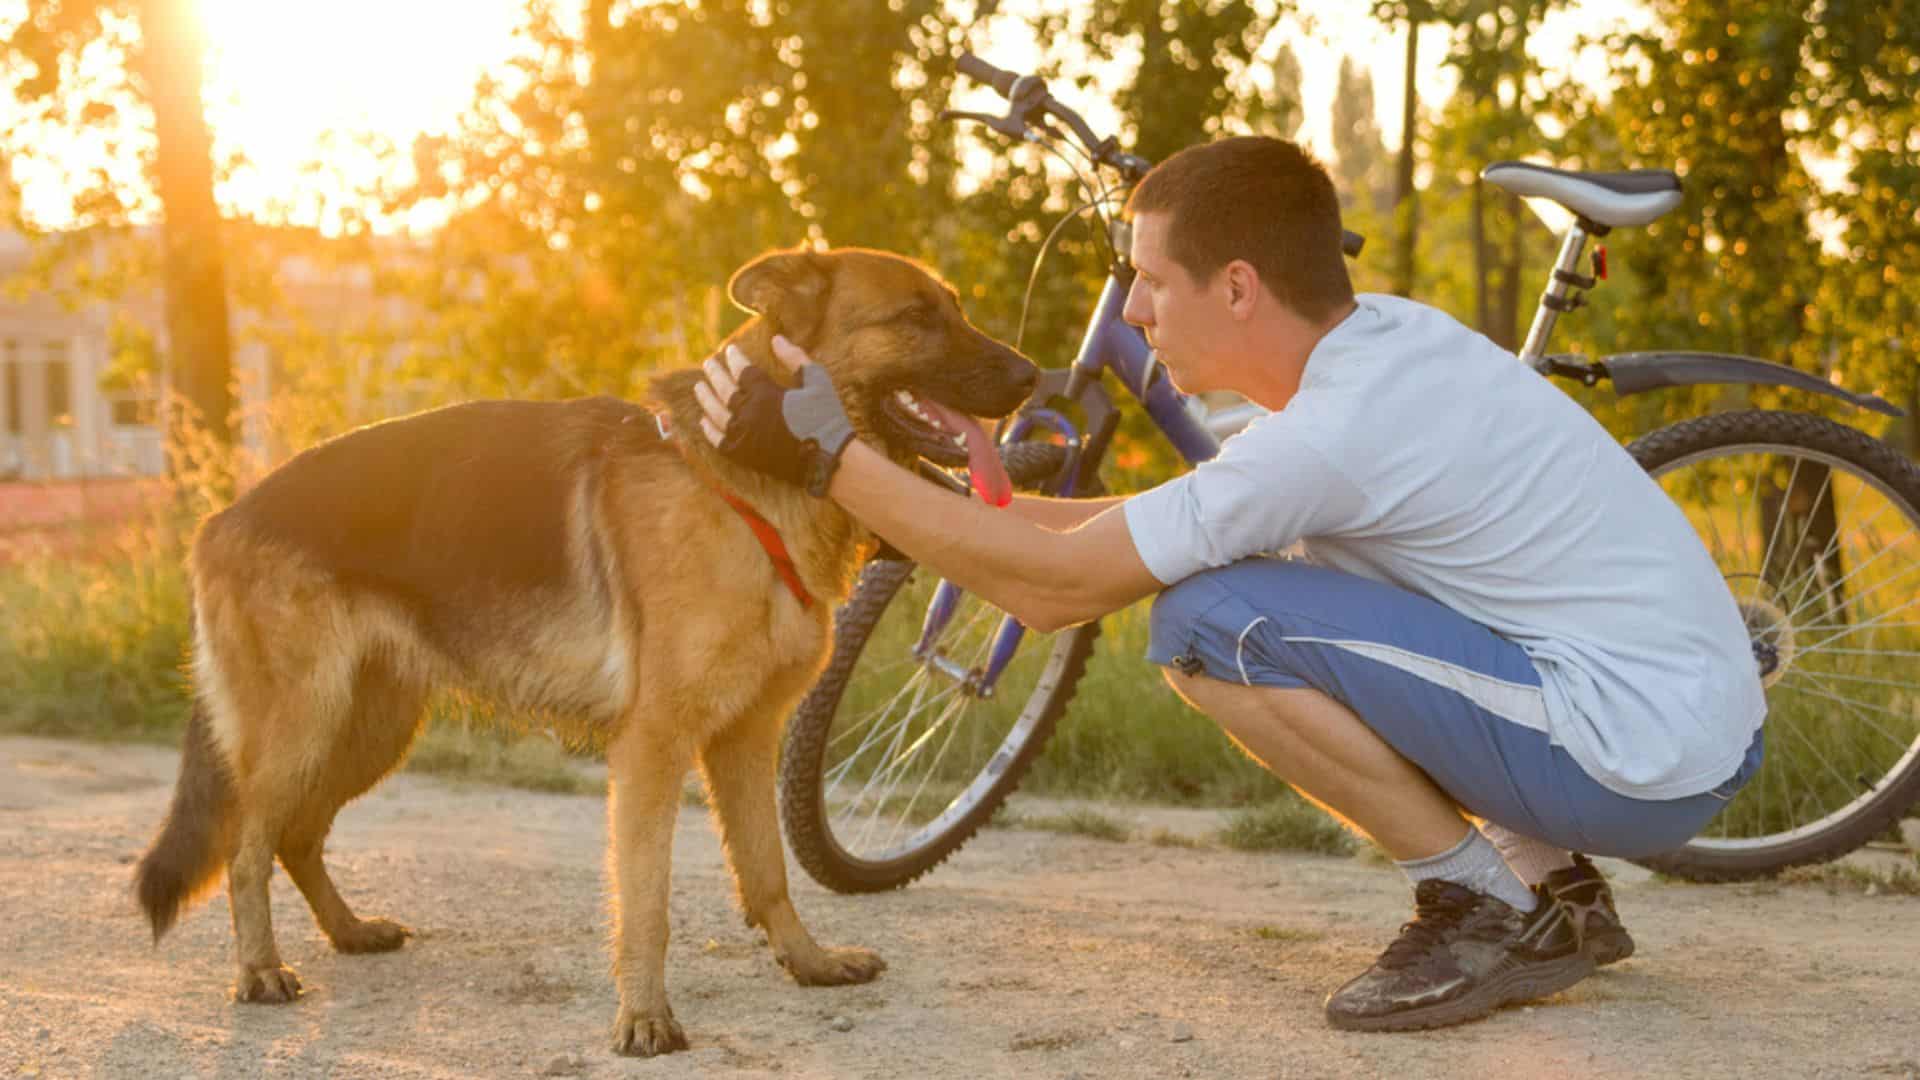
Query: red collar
(763,529)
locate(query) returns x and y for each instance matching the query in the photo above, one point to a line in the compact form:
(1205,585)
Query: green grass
(1074,823)
(535,761)
(97,649)
(1288,824)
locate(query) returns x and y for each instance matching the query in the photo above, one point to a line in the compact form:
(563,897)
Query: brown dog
(575,560)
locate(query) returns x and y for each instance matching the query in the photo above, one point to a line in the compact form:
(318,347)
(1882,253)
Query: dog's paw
(266,986)
(371,936)
(638,1034)
(838,967)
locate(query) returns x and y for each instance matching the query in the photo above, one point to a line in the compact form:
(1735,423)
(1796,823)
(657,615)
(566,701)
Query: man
(1499,615)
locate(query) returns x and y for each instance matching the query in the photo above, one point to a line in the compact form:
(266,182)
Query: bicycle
(934,704)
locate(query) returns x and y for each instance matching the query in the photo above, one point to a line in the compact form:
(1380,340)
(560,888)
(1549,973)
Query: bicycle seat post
(1560,295)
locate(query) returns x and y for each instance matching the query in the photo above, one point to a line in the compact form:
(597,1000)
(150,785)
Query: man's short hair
(1256,198)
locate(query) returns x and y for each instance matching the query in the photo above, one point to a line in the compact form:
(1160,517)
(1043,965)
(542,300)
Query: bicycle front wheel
(911,740)
(1816,527)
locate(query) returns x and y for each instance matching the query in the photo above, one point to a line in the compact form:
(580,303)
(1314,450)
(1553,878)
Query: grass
(1289,824)
(1848,877)
(96,647)
(1287,934)
(1080,822)
(536,762)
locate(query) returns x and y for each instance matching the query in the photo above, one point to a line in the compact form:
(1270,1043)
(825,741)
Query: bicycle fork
(980,682)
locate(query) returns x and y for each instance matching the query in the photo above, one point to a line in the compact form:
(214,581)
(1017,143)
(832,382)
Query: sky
(277,86)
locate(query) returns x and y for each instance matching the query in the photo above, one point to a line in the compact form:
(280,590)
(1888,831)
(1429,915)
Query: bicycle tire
(804,802)
(1713,858)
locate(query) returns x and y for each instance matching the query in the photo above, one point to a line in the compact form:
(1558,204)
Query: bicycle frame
(1110,344)
(1635,372)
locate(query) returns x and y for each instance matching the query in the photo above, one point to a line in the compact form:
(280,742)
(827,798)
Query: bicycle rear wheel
(900,753)
(1816,527)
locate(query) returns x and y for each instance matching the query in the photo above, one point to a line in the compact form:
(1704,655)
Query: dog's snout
(1025,375)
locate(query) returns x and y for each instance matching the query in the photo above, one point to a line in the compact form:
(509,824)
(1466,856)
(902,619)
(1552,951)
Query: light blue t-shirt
(1420,454)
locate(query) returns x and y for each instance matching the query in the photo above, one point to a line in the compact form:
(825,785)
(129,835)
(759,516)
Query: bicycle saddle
(1604,198)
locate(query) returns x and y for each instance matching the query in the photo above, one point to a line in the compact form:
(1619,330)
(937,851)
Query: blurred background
(292,219)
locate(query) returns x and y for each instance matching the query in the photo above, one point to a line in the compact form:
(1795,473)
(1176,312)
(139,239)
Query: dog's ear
(787,288)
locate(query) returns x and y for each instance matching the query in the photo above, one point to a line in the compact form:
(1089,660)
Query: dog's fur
(565,560)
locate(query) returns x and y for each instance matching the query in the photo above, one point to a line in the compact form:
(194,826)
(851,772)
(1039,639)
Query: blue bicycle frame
(1112,345)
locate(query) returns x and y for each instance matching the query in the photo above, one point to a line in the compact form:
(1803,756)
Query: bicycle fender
(1635,372)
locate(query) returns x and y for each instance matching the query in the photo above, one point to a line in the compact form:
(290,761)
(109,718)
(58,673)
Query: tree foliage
(601,190)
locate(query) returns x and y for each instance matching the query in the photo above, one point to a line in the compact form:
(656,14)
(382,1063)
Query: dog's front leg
(646,769)
(739,764)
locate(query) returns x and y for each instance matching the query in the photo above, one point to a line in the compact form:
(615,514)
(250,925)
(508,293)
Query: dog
(593,563)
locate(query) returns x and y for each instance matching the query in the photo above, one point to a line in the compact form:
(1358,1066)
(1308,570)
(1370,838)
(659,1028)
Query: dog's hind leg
(386,715)
(739,764)
(261,976)
(290,726)
(647,763)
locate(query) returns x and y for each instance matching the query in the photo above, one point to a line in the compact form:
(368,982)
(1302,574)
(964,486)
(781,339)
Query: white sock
(1473,863)
(1531,859)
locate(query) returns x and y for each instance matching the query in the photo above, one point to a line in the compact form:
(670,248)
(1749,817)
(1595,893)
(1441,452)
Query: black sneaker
(1589,900)
(1464,955)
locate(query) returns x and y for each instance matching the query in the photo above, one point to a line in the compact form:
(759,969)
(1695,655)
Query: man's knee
(1184,617)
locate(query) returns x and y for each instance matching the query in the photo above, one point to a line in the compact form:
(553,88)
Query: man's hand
(792,435)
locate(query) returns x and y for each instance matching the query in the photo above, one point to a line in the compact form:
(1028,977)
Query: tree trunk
(1506,308)
(192,265)
(1482,262)
(1406,201)
(1801,524)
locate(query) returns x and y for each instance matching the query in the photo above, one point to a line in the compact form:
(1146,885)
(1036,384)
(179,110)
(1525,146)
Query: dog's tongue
(983,461)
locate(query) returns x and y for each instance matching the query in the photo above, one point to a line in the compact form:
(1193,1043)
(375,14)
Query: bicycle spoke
(897,763)
(893,747)
(1855,572)
(1861,626)
(914,684)
(1855,678)
(933,768)
(1766,552)
(1827,694)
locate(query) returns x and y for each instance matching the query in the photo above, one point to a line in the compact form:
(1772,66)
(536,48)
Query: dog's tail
(187,856)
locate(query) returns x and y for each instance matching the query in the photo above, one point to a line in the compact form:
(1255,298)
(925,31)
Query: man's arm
(1062,514)
(1045,578)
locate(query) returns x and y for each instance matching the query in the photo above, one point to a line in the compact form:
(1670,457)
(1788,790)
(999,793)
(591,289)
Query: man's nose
(1137,311)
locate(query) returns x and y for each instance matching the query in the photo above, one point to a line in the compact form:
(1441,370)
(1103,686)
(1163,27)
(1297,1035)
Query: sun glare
(289,85)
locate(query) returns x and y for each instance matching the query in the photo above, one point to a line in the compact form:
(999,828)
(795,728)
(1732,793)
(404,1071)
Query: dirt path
(1033,954)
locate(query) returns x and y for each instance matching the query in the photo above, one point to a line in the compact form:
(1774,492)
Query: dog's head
(912,372)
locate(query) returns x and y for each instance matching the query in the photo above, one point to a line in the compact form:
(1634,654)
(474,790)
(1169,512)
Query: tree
(162,57)
(1357,146)
(1493,116)
(1406,197)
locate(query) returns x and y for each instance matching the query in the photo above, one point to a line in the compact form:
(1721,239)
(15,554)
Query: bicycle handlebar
(1027,94)
(979,70)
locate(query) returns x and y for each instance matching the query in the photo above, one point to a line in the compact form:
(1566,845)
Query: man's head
(1237,244)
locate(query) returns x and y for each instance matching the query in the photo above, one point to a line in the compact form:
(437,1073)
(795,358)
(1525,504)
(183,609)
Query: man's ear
(787,288)
(1243,285)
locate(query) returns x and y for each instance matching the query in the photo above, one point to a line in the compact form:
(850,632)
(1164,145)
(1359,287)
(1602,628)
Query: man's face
(1182,318)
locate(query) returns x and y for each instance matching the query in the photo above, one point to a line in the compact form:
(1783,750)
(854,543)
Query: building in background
(63,418)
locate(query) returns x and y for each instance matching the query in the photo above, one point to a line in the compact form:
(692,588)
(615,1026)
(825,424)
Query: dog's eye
(922,316)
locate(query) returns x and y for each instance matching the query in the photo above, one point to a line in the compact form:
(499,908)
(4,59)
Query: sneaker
(1464,955)
(1589,901)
